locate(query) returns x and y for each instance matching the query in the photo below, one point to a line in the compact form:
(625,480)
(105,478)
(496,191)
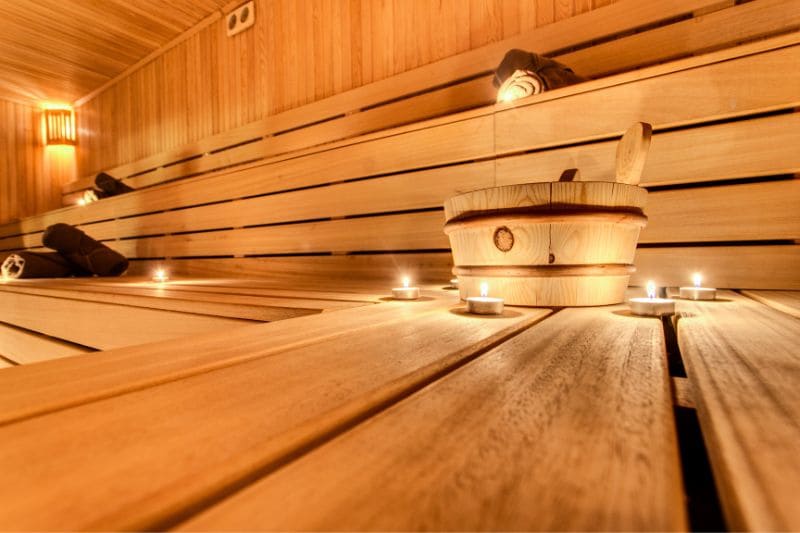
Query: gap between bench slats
(742,360)
(164,450)
(567,426)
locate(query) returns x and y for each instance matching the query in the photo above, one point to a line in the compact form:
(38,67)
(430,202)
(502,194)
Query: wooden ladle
(632,153)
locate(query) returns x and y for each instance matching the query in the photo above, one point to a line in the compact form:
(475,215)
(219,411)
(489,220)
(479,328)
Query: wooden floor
(245,405)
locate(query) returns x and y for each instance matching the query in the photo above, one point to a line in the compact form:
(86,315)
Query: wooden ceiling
(60,50)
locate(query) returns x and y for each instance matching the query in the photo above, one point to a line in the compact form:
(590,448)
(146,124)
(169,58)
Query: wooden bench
(409,415)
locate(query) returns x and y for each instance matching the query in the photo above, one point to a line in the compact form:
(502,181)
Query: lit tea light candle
(81,201)
(405,292)
(160,276)
(454,282)
(697,292)
(484,304)
(652,306)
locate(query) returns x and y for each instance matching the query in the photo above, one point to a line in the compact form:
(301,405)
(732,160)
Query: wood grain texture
(580,400)
(61,50)
(385,40)
(31,175)
(785,301)
(102,325)
(66,383)
(263,411)
(23,346)
(742,360)
(757,267)
(155,297)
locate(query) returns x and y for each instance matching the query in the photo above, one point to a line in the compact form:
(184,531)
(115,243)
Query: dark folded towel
(35,265)
(110,186)
(83,251)
(550,73)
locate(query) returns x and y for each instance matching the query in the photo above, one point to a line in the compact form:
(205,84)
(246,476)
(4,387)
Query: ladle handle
(632,153)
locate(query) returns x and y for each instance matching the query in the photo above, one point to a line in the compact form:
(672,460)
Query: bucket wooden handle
(632,153)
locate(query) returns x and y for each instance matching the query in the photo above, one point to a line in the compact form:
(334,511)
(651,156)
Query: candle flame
(651,289)
(697,279)
(484,289)
(81,201)
(406,281)
(160,275)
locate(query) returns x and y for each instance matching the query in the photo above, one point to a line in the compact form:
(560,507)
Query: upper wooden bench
(725,131)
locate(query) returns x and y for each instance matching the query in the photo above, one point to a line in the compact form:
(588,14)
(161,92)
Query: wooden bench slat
(693,36)
(785,301)
(728,213)
(717,91)
(758,267)
(264,411)
(23,346)
(740,149)
(518,439)
(103,325)
(67,382)
(231,306)
(743,362)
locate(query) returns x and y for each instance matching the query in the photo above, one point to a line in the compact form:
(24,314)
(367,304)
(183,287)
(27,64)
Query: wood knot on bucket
(503,239)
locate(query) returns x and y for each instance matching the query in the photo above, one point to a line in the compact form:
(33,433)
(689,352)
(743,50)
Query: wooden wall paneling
(525,406)
(456,97)
(31,175)
(741,358)
(254,428)
(586,26)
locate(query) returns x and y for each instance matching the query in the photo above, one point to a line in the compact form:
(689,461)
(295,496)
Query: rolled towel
(83,251)
(22,265)
(522,74)
(110,186)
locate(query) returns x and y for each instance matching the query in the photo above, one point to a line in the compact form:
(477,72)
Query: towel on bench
(522,74)
(83,252)
(14,265)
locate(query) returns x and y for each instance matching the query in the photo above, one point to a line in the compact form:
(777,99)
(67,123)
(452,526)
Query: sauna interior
(355,265)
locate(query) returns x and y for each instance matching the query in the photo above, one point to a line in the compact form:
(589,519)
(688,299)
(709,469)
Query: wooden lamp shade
(59,126)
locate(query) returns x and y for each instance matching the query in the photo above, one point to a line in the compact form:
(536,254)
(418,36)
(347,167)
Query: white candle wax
(454,282)
(652,306)
(405,292)
(697,292)
(483,304)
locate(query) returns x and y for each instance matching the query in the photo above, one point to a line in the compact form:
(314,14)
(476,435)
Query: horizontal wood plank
(103,325)
(24,346)
(264,411)
(69,382)
(785,301)
(580,400)
(757,267)
(713,92)
(741,358)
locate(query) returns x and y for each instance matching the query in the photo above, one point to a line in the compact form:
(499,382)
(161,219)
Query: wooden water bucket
(565,243)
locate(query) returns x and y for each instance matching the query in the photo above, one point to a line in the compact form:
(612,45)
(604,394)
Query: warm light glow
(406,282)
(697,279)
(58,126)
(81,201)
(160,276)
(89,196)
(484,289)
(651,289)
